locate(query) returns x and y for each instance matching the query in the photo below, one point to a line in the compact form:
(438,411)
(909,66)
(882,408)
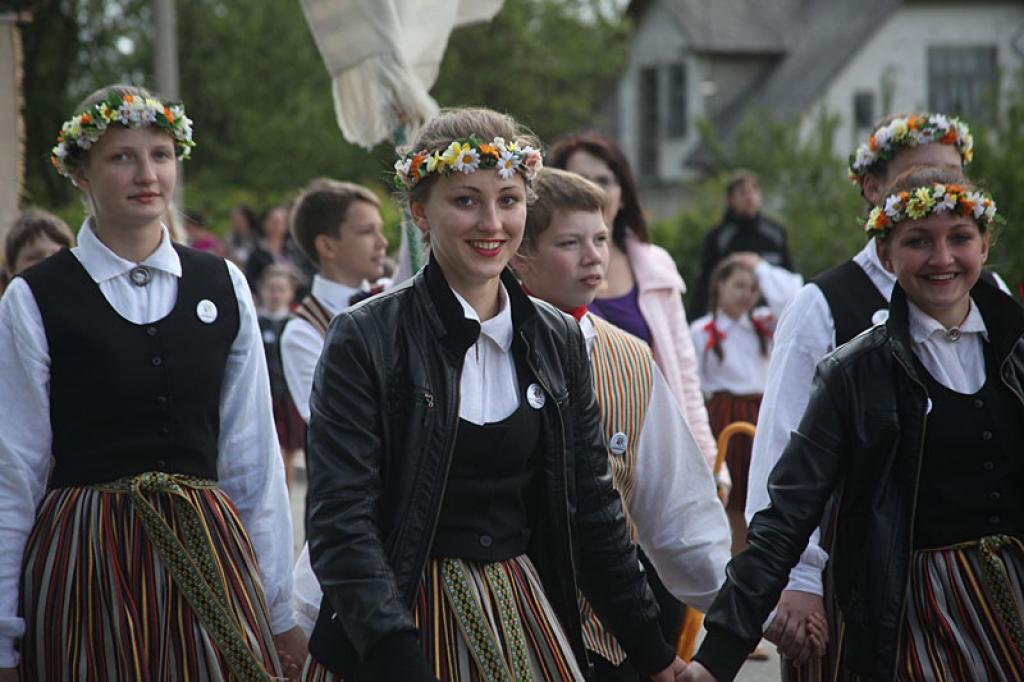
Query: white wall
(900,48)
(657,41)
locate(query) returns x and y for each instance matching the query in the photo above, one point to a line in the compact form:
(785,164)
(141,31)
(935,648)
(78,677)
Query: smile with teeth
(486,245)
(941,277)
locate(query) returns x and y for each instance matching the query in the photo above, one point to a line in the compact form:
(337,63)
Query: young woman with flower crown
(917,427)
(459,487)
(141,489)
(825,313)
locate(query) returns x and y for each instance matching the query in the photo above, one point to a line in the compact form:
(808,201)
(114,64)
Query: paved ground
(753,671)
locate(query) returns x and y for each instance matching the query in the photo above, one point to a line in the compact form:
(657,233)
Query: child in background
(35,235)
(733,342)
(338,226)
(276,292)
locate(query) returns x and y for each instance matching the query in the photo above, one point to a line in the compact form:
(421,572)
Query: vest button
(988,466)
(152,331)
(161,400)
(986,435)
(164,431)
(486,540)
(994,496)
(157,360)
(994,519)
(161,464)
(978,402)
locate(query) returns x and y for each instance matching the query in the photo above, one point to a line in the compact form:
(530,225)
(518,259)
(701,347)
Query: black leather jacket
(860,438)
(384,413)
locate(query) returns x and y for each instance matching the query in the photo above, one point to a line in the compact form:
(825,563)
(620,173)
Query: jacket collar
(650,271)
(1003,316)
(457,332)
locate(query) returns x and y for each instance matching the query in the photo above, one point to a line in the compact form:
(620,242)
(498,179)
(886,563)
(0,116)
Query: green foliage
(549,63)
(997,168)
(254,84)
(804,184)
(805,187)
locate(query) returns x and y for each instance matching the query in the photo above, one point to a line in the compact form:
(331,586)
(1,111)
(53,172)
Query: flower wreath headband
(467,155)
(928,200)
(911,131)
(130,111)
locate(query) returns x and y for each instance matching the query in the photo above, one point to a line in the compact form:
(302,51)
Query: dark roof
(806,43)
(731,26)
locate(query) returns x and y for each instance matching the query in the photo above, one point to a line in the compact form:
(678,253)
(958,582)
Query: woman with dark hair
(644,297)
(644,292)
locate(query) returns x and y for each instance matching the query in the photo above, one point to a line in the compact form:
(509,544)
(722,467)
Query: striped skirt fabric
(100,603)
(965,613)
(485,622)
(724,409)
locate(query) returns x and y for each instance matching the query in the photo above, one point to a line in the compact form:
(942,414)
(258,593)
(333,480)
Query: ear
(882,249)
(324,247)
(984,247)
(419,215)
(79,180)
(871,188)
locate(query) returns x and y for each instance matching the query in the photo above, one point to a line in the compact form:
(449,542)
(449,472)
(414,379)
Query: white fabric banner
(383,57)
(10,128)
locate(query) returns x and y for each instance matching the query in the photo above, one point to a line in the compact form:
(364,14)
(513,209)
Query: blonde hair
(456,124)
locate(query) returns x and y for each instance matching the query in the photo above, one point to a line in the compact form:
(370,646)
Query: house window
(648,134)
(962,81)
(863,109)
(677,118)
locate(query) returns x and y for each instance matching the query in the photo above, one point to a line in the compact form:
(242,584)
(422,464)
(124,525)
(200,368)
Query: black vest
(852,298)
(492,483)
(971,473)
(128,398)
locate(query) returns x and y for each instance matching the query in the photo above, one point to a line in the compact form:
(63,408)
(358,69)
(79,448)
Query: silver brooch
(140,276)
(953,335)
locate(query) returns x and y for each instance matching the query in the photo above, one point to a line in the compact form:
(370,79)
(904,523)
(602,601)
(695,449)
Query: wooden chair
(687,644)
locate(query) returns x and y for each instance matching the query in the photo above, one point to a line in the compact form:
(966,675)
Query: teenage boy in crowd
(339,227)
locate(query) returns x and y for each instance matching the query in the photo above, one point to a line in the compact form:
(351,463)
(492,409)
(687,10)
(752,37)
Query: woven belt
(997,582)
(475,625)
(190,563)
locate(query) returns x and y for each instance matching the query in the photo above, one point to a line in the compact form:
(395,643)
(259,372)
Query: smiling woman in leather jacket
(459,487)
(916,427)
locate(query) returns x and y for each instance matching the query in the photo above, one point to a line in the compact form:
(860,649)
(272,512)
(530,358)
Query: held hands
(292,648)
(695,672)
(673,673)
(799,628)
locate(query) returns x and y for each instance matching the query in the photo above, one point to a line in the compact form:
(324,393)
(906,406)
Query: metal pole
(165,68)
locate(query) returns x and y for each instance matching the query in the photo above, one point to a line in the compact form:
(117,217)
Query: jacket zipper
(437,501)
(563,487)
(913,512)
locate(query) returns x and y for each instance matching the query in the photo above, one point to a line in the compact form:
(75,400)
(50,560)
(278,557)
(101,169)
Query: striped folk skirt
(964,618)
(724,409)
(148,579)
(486,622)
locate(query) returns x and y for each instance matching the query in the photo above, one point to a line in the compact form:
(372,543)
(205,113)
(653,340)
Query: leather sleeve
(799,488)
(344,455)
(609,570)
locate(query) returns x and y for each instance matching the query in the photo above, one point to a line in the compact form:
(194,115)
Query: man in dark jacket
(743,228)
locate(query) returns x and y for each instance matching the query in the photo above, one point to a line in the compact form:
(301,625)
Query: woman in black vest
(916,427)
(141,489)
(458,479)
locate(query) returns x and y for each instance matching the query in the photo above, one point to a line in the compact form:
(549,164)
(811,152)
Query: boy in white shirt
(339,227)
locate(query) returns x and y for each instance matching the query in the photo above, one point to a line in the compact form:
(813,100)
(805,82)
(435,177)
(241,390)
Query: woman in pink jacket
(644,297)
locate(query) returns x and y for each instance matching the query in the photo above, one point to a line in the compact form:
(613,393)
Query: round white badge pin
(535,396)
(206,311)
(880,316)
(618,442)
